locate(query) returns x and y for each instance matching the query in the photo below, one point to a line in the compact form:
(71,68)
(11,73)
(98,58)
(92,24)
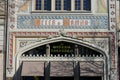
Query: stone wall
(2,18)
(2,24)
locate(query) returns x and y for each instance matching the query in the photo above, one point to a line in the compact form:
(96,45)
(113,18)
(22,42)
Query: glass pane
(67,4)
(62,49)
(58,5)
(41,51)
(47,4)
(77,4)
(38,4)
(87,5)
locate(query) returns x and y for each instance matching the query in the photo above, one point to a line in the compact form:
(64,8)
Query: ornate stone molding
(78,34)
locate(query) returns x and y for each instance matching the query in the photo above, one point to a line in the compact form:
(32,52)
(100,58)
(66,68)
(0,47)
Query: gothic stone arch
(65,39)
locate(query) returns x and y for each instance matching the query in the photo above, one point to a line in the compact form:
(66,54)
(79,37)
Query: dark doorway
(91,78)
(61,78)
(32,78)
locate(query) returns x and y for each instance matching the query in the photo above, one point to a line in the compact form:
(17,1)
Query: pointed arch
(61,38)
(65,39)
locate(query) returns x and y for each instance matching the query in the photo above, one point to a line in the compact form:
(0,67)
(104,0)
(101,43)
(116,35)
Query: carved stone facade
(2,25)
(85,43)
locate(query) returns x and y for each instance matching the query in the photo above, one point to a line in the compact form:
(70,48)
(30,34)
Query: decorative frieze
(62,21)
(62,58)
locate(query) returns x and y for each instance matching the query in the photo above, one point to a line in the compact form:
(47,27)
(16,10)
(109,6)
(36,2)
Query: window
(87,5)
(77,5)
(63,5)
(43,4)
(38,4)
(67,4)
(47,4)
(58,5)
(83,5)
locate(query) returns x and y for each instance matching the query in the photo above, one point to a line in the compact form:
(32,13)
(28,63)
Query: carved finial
(62,32)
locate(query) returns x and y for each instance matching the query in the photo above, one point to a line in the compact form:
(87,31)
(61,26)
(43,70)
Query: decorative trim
(78,34)
(55,21)
(11,11)
(112,14)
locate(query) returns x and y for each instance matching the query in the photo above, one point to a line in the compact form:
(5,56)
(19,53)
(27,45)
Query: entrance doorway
(59,64)
(91,78)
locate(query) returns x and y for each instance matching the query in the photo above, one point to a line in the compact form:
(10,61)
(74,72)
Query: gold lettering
(36,22)
(66,22)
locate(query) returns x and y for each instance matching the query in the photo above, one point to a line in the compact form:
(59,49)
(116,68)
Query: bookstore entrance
(62,61)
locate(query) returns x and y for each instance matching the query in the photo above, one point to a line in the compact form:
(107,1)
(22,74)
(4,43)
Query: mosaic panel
(62,21)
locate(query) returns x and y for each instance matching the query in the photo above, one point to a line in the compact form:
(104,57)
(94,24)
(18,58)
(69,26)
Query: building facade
(62,39)
(118,30)
(2,25)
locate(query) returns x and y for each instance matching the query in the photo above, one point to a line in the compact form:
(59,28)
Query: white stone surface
(1,66)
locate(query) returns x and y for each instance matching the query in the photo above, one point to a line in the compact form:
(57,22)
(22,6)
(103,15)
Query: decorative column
(48,50)
(42,5)
(47,70)
(72,5)
(53,5)
(47,64)
(82,2)
(76,70)
(76,51)
(62,4)
(114,47)
(76,64)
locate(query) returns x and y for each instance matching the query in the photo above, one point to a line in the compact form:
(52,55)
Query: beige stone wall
(2,19)
(118,14)
(2,11)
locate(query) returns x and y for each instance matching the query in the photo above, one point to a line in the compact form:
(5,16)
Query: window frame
(63,11)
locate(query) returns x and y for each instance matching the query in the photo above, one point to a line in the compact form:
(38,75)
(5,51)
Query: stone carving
(80,34)
(62,32)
